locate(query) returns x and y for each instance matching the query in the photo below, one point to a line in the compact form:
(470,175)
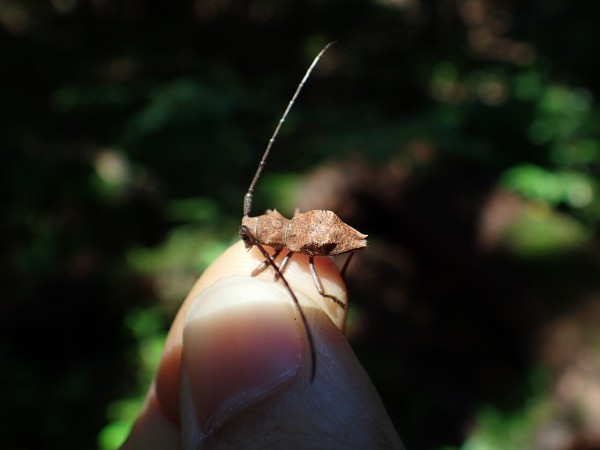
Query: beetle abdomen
(320,233)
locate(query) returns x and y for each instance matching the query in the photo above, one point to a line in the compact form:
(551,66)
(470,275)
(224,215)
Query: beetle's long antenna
(245,231)
(261,164)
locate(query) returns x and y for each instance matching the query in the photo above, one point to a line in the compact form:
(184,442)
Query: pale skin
(235,369)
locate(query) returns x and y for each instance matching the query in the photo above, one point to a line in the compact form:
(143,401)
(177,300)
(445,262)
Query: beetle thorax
(270,229)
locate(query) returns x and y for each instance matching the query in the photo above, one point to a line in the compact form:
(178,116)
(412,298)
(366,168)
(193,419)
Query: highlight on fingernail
(242,341)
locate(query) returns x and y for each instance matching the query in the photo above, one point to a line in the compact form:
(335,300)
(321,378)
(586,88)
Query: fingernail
(241,342)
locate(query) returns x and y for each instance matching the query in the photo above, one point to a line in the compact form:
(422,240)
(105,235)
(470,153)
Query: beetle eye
(245,237)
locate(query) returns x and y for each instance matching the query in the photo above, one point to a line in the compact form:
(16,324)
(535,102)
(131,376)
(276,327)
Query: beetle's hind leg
(345,266)
(319,285)
(313,271)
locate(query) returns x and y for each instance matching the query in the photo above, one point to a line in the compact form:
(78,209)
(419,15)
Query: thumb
(246,363)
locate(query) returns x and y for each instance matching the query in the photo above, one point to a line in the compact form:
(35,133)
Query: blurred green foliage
(130,131)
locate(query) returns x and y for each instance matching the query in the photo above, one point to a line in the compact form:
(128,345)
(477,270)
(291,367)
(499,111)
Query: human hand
(236,367)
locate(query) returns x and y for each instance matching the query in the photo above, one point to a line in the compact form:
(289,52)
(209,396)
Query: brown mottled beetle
(313,233)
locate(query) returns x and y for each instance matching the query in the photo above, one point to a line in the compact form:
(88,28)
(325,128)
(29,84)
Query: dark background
(462,136)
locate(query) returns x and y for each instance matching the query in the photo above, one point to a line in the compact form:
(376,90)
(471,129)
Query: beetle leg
(319,285)
(284,263)
(345,266)
(263,265)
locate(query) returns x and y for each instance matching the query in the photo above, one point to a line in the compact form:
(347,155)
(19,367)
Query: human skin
(235,371)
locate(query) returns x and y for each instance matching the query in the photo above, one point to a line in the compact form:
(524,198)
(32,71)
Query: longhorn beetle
(313,233)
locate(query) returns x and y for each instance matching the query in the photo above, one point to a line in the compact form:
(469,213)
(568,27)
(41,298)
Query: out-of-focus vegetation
(463,137)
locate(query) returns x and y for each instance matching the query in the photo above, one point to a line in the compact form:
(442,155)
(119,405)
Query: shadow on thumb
(246,369)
